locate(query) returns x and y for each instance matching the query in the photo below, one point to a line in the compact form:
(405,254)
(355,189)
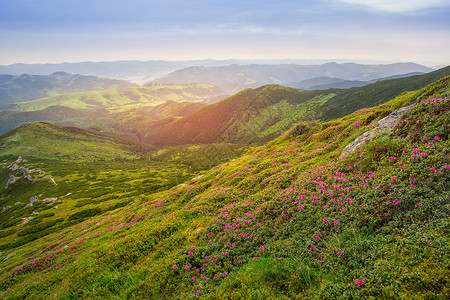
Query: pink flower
(396,201)
(224,274)
(175,267)
(186,267)
(359,282)
(436,138)
(203,276)
(199,292)
(193,278)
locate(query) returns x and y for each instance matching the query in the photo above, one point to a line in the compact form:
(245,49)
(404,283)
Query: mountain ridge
(234,78)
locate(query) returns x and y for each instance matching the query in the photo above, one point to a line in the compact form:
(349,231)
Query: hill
(234,78)
(52,141)
(86,109)
(259,115)
(289,219)
(28,87)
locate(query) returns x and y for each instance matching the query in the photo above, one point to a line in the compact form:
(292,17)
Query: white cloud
(398,6)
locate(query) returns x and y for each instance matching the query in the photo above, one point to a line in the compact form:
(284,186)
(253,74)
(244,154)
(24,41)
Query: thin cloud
(399,6)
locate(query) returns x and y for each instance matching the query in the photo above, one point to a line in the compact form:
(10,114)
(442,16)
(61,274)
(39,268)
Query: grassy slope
(375,94)
(286,220)
(239,118)
(52,141)
(260,115)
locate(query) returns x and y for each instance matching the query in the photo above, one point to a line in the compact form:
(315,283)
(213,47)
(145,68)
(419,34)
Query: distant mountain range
(136,71)
(27,87)
(323,83)
(234,78)
(260,71)
(230,78)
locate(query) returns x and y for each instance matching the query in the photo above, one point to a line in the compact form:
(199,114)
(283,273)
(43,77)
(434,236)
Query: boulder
(387,122)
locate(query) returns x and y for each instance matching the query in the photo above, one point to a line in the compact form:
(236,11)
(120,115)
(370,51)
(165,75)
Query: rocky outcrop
(26,220)
(386,122)
(6,208)
(32,200)
(48,200)
(11,180)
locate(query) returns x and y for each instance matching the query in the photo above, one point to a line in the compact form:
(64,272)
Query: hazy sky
(105,30)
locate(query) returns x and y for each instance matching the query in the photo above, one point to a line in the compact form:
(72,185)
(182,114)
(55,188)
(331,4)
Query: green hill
(86,109)
(290,219)
(52,141)
(256,116)
(119,99)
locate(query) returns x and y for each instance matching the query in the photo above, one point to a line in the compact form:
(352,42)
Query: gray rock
(34,199)
(387,122)
(26,220)
(11,180)
(47,200)
(14,167)
(6,208)
(9,256)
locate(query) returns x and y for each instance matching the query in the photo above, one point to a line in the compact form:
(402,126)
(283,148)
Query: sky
(54,31)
